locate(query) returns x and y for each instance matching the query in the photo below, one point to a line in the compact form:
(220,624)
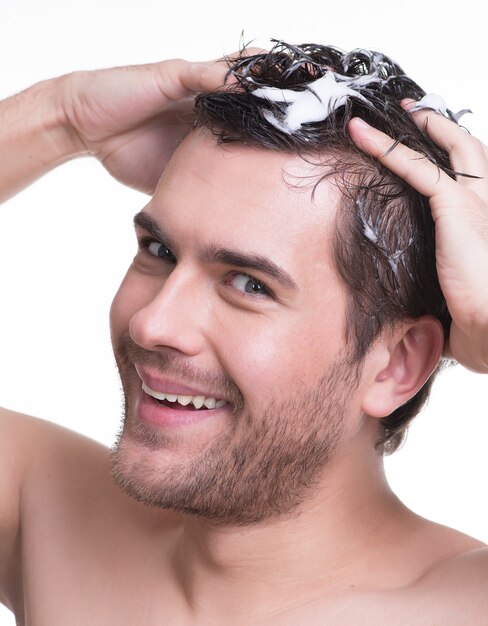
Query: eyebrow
(256,262)
(213,254)
(146,222)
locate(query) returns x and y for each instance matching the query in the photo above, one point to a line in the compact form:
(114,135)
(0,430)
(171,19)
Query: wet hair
(384,244)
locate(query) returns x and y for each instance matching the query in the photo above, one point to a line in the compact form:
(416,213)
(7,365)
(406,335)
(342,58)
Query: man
(263,379)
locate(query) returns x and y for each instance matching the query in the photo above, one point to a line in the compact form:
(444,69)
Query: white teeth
(184,400)
(154,394)
(197,401)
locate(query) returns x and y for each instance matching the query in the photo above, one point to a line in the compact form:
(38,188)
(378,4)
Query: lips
(197,401)
(167,402)
(165,385)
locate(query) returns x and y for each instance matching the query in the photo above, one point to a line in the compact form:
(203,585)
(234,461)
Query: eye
(158,249)
(249,285)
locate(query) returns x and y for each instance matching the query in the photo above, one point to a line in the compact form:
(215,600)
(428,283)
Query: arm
(35,457)
(21,438)
(10,482)
(33,137)
(129,118)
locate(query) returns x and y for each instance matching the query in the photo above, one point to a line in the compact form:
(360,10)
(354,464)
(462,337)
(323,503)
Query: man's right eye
(158,250)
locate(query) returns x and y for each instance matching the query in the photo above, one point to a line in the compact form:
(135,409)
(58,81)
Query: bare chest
(99,559)
(77,578)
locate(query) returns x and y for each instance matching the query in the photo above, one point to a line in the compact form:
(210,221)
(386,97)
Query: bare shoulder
(62,473)
(48,463)
(466,572)
(30,444)
(26,444)
(44,455)
(57,497)
(455,589)
(18,429)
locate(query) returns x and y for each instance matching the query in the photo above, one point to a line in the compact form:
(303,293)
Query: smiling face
(232,301)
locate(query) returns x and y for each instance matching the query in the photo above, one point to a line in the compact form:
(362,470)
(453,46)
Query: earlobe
(412,353)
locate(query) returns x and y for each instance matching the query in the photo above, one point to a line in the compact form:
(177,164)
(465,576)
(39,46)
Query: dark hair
(384,244)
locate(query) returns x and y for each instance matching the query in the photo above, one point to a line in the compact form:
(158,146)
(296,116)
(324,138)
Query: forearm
(34,137)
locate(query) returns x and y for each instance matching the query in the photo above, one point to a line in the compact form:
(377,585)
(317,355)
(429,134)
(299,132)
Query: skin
(291,409)
(459,210)
(346,550)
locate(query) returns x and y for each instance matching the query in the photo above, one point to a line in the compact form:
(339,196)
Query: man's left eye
(248,284)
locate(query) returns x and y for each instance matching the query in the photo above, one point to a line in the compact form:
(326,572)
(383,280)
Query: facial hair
(262,467)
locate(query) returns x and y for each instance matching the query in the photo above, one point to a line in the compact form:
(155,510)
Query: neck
(329,544)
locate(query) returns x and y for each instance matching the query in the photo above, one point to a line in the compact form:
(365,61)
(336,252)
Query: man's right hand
(132,118)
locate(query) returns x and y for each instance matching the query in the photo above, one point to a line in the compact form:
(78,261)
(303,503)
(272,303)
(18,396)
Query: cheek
(278,357)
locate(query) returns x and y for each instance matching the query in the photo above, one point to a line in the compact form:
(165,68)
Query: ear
(400,363)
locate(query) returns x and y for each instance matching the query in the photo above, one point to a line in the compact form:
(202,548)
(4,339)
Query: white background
(66,241)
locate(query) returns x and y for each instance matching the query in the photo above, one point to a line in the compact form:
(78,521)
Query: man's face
(237,300)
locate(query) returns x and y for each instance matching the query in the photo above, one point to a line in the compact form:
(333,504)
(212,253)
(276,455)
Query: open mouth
(183,402)
(177,406)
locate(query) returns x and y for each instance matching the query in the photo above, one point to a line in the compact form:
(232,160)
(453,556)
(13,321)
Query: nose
(174,316)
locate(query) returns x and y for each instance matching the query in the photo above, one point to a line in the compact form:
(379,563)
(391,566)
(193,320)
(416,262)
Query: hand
(460,212)
(132,118)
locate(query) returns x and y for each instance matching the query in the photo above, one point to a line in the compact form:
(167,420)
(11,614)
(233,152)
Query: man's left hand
(460,212)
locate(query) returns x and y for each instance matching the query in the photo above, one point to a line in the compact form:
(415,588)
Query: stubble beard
(261,468)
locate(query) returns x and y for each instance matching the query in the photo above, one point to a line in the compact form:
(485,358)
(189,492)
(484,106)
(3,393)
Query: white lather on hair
(314,104)
(323,96)
(436,103)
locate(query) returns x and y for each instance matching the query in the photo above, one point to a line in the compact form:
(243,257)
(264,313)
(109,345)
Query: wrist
(35,135)
(471,350)
(64,142)
(63,118)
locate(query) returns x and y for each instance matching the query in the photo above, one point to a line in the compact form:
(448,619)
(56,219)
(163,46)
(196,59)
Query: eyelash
(267,291)
(145,242)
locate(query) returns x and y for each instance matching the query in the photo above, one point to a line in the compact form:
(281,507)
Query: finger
(186,79)
(247,52)
(206,76)
(411,166)
(467,154)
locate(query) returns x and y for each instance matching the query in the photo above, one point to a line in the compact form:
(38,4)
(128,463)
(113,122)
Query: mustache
(167,362)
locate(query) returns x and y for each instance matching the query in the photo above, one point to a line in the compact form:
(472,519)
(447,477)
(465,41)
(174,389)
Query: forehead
(246,198)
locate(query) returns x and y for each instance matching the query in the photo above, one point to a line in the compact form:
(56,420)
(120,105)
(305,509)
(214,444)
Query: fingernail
(408,103)
(200,67)
(360,122)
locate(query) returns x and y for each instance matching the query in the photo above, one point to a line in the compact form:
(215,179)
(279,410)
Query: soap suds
(371,231)
(314,104)
(324,95)
(437,103)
